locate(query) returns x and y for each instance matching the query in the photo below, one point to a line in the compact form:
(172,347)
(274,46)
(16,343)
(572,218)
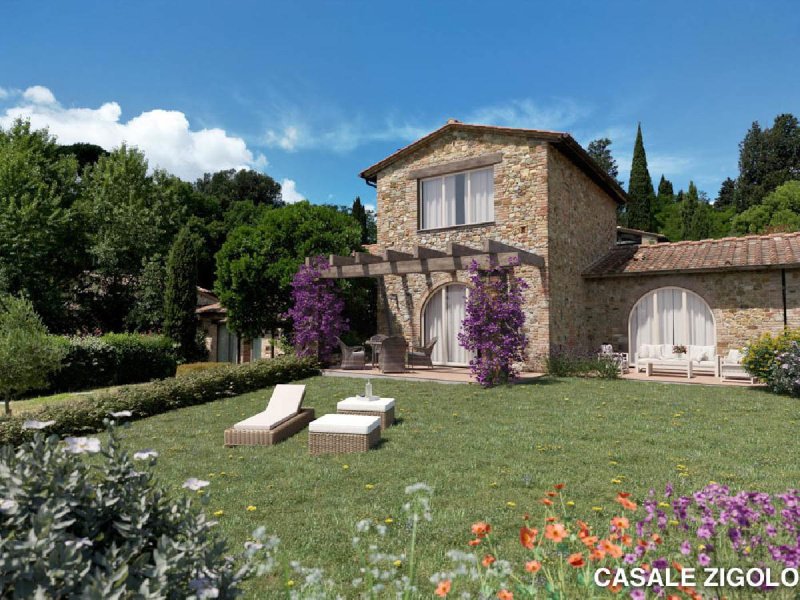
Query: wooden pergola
(455,257)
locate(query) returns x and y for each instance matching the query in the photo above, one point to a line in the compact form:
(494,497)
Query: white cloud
(164,136)
(4,93)
(289,192)
(371,207)
(38,94)
(297,134)
(527,114)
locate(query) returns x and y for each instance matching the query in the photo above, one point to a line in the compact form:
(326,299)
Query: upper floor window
(457,199)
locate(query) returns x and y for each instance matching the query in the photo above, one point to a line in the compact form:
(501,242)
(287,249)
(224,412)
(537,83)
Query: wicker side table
(383,408)
(340,434)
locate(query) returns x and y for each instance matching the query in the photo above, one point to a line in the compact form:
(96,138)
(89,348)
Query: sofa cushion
(701,353)
(734,357)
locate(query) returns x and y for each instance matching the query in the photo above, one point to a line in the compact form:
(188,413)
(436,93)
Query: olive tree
(28,353)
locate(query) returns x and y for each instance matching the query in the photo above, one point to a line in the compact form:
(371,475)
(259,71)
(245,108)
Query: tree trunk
(7,405)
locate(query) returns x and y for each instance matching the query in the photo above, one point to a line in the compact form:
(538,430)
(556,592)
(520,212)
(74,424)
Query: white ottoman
(339,434)
(382,408)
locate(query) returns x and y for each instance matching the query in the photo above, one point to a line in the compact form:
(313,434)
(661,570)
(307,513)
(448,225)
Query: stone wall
(582,228)
(745,304)
(520,211)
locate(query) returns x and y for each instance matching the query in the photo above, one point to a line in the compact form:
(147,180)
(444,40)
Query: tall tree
(639,213)
(727,194)
(600,151)
(665,189)
(767,158)
(180,293)
(360,214)
(695,215)
(780,211)
(85,154)
(41,239)
(232,185)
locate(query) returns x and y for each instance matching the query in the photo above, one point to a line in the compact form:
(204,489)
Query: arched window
(673,316)
(441,318)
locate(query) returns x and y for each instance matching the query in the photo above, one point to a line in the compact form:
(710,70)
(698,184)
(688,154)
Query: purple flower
(637,594)
(660,563)
(704,559)
(668,490)
(686,548)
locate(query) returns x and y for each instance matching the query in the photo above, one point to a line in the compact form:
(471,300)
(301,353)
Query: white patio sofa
(659,358)
(730,367)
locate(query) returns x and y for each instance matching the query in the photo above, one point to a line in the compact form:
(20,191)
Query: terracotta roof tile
(751,252)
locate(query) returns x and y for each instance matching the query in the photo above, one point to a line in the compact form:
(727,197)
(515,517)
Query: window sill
(458,227)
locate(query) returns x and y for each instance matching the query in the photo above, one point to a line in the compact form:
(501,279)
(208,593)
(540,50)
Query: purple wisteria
(493,326)
(316,311)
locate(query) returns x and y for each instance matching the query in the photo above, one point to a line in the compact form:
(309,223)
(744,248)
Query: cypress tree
(360,214)
(640,189)
(180,294)
(665,189)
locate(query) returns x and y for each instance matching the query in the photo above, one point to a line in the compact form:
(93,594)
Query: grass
(29,404)
(480,450)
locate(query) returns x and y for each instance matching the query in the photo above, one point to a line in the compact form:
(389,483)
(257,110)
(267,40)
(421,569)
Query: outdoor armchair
(393,354)
(353,357)
(420,356)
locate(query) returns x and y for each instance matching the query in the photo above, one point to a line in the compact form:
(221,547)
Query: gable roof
(563,141)
(779,250)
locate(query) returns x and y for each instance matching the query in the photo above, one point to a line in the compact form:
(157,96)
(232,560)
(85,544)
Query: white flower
(253,546)
(194,484)
(79,543)
(7,505)
(419,487)
(121,414)
(203,588)
(145,454)
(34,424)
(81,445)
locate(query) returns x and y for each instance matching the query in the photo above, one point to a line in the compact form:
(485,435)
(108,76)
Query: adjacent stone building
(473,191)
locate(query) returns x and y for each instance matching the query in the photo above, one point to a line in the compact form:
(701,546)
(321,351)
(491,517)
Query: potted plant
(679,350)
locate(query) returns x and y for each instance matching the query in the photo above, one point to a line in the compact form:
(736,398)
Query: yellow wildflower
(251,508)
(219,513)
(511,504)
(369,486)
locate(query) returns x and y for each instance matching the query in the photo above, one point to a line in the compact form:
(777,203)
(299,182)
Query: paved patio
(437,374)
(634,375)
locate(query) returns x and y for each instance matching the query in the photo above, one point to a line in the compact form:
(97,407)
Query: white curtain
(456,306)
(449,201)
(671,316)
(434,327)
(432,204)
(481,194)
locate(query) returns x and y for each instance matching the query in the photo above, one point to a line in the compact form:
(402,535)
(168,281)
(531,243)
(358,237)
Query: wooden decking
(438,374)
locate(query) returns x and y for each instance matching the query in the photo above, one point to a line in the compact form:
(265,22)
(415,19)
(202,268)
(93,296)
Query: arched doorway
(671,315)
(441,318)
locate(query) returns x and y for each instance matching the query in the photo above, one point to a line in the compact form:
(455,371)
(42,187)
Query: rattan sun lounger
(281,420)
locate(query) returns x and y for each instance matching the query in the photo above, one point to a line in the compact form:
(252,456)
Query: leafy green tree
(85,154)
(780,211)
(40,237)
(257,263)
(639,212)
(147,314)
(767,158)
(600,151)
(232,185)
(28,353)
(130,216)
(665,190)
(180,294)
(695,215)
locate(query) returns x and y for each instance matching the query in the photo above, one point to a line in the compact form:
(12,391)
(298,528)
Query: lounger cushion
(335,423)
(283,405)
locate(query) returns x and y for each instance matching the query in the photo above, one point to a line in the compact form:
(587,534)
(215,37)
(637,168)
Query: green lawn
(29,404)
(480,450)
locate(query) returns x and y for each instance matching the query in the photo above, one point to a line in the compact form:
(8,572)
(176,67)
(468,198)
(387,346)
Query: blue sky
(313,92)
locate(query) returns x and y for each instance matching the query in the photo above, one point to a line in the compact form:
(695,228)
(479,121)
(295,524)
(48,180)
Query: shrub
(563,362)
(189,368)
(784,376)
(103,528)
(141,357)
(760,356)
(87,415)
(89,362)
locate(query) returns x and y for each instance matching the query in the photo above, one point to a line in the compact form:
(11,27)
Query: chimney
(452,121)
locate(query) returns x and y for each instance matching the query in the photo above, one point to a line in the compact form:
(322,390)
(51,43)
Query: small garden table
(340,434)
(383,408)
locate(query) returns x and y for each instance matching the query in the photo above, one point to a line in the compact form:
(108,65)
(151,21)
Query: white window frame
(467,203)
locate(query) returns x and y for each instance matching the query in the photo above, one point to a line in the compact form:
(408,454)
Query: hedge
(761,355)
(113,359)
(83,416)
(190,368)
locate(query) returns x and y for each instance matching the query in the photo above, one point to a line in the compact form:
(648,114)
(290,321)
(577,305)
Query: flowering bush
(493,325)
(784,375)
(103,529)
(760,356)
(316,311)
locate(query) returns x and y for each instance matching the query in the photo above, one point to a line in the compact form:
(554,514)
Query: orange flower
(533,566)
(443,588)
(657,539)
(546,501)
(620,522)
(552,494)
(576,560)
(610,548)
(505,595)
(624,499)
(589,540)
(597,554)
(677,566)
(550,519)
(626,540)
(481,529)
(555,532)
(488,560)
(527,536)
(615,588)
(559,486)
(474,542)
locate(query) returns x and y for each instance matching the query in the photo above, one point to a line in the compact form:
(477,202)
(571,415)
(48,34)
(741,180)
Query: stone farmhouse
(474,192)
